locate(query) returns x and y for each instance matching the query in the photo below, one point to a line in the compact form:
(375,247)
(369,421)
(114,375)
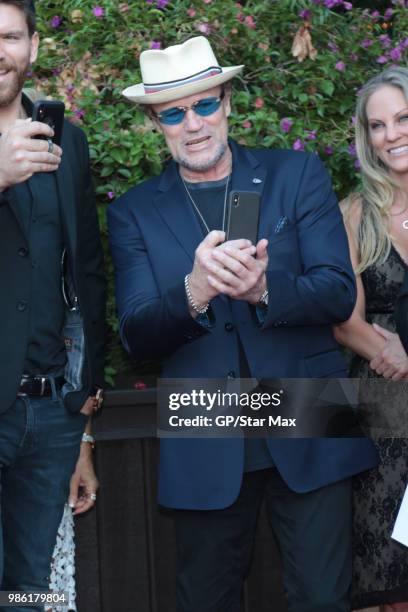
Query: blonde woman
(377,227)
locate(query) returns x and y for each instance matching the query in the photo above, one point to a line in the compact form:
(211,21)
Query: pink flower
(79,113)
(98,11)
(375,14)
(340,66)
(286,124)
(298,145)
(191,12)
(204,28)
(381,59)
(247,124)
(328,150)
(366,43)
(56,21)
(333,47)
(385,40)
(311,135)
(352,149)
(249,21)
(241,17)
(111,195)
(388,14)
(304,14)
(161,4)
(354,57)
(357,164)
(348,6)
(259,103)
(395,54)
(207,1)
(155,44)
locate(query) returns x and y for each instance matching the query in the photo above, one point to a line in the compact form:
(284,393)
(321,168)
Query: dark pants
(39,446)
(313,531)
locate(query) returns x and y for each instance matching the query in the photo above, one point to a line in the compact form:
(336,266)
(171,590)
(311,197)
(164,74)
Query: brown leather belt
(39,386)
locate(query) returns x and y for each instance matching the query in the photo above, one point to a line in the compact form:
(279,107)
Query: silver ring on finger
(92,497)
(50,145)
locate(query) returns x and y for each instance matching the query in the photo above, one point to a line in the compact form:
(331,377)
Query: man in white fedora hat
(208,307)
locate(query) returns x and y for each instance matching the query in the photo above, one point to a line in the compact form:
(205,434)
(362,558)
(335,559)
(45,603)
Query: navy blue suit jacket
(154,233)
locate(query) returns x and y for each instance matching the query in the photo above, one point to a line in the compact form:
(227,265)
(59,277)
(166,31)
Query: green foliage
(89,56)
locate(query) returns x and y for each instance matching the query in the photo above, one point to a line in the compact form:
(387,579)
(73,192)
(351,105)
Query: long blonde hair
(378,191)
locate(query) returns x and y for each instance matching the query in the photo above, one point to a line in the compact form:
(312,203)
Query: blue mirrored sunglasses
(203,107)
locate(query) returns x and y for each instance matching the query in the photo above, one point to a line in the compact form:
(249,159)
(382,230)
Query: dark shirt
(209,199)
(38,212)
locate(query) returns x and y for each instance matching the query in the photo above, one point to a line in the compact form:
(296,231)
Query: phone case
(50,112)
(243,216)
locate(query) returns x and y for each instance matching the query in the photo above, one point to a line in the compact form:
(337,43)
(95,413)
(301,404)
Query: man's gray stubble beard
(185,162)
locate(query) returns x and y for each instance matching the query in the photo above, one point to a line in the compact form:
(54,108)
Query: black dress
(380,571)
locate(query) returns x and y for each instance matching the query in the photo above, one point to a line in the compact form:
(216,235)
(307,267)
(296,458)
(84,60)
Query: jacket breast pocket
(329,364)
(288,234)
(283,251)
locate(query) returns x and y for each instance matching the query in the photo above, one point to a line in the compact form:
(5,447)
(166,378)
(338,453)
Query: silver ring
(92,496)
(50,145)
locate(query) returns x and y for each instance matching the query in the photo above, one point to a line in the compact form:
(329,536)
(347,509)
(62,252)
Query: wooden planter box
(125,546)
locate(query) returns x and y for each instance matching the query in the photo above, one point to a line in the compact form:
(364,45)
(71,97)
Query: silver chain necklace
(197,209)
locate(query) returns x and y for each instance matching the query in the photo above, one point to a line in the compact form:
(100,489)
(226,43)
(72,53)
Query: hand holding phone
(22,154)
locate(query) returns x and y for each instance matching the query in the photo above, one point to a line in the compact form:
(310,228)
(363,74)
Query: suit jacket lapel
(177,212)
(249,174)
(66,195)
(14,209)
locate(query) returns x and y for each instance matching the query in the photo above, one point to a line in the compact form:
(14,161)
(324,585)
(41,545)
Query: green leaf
(327,87)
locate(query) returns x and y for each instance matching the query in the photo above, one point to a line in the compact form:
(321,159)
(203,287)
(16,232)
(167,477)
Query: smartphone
(243,215)
(50,112)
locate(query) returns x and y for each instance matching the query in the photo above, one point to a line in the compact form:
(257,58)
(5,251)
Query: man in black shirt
(51,318)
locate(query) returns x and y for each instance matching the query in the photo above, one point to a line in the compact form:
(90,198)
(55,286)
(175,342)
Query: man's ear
(34,43)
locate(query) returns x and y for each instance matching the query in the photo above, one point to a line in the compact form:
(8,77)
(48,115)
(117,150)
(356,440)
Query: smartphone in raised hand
(50,112)
(243,215)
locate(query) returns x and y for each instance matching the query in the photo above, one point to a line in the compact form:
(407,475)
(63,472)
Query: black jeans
(39,447)
(313,531)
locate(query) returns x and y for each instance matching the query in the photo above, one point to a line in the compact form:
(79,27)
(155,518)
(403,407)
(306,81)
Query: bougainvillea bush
(305,62)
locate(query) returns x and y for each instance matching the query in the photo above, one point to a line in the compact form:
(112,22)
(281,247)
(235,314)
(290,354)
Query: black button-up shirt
(39,213)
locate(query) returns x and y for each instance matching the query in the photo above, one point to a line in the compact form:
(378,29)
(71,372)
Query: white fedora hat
(178,71)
